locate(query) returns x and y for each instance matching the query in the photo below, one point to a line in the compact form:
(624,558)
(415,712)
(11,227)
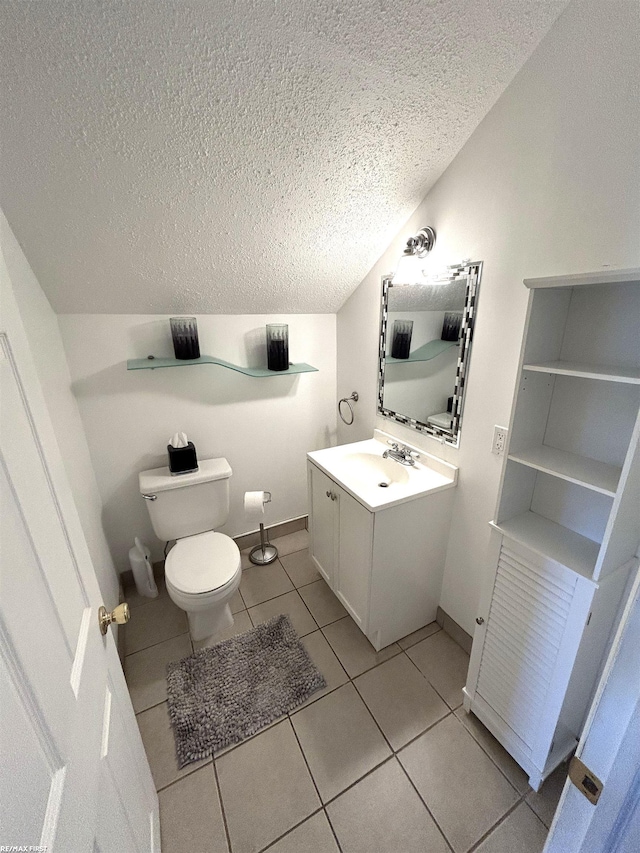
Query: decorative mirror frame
(472,271)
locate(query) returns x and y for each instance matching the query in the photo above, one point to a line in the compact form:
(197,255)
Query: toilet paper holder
(264,553)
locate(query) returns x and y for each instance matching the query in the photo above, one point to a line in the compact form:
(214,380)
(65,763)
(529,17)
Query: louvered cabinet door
(536,616)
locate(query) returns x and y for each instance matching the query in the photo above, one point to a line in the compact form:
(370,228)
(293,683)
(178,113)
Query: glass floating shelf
(424,353)
(256,372)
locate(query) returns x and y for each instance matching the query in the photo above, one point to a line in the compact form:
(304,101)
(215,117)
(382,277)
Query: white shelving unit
(567,523)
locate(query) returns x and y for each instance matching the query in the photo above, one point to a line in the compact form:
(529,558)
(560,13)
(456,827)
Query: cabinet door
(323,518)
(537,614)
(355,542)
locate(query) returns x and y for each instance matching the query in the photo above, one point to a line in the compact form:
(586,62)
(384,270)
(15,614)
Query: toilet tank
(186,504)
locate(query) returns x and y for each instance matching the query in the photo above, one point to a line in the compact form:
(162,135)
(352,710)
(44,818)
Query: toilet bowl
(203,569)
(202,573)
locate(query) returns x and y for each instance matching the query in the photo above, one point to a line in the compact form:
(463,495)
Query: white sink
(378,483)
(372,469)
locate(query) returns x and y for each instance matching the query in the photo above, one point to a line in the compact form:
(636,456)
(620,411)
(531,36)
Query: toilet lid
(202,563)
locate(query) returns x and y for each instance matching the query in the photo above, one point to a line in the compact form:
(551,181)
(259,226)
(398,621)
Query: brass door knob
(119,615)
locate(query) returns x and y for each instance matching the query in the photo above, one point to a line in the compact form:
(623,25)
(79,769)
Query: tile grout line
(319,810)
(150,707)
(368,669)
(331,827)
(394,754)
(421,798)
(359,779)
(329,692)
(432,686)
(241,597)
(489,756)
(530,807)
(495,763)
(317,628)
(288,715)
(151,601)
(385,760)
(411,645)
(184,776)
(322,803)
(498,823)
(452,711)
(221,801)
(297,589)
(289,576)
(153,645)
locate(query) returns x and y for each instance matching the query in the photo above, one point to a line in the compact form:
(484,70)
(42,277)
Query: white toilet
(203,568)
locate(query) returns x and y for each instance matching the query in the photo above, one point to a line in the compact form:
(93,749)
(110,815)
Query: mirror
(425,346)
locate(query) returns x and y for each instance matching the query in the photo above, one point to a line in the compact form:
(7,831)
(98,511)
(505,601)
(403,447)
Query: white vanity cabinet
(385,566)
(341,543)
(567,524)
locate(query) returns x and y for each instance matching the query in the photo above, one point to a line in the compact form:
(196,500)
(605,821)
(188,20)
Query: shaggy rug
(223,694)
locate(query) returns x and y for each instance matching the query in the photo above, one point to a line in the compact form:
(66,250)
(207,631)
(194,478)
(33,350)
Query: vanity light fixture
(410,267)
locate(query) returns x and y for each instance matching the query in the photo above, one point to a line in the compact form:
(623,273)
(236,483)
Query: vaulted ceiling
(237,157)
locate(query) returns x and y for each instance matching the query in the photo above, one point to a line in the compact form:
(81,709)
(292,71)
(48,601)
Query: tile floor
(383,760)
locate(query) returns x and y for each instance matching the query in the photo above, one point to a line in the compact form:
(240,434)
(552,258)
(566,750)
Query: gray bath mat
(223,694)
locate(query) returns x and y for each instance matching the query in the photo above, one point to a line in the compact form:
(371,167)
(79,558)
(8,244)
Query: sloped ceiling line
(247,157)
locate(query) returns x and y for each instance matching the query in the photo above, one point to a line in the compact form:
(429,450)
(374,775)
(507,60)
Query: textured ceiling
(237,157)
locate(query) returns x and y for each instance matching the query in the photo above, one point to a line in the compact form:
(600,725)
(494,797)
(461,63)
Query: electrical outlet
(499,440)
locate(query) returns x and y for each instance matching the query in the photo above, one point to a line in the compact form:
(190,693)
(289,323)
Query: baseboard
(451,627)
(249,540)
(246,540)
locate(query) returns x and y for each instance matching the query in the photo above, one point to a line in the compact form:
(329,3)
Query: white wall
(42,330)
(264,427)
(548,184)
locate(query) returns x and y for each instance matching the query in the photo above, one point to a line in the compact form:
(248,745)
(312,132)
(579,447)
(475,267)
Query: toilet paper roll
(254,502)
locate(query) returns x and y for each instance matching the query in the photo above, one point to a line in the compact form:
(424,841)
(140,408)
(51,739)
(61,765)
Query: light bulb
(409,270)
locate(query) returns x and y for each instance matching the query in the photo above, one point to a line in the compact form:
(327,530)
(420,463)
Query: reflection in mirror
(425,345)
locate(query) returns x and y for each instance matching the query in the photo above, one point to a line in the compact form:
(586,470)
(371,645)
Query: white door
(610,749)
(74,776)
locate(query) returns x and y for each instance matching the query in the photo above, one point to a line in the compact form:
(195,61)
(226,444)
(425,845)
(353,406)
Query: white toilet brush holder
(264,553)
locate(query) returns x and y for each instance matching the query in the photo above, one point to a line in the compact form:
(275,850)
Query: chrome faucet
(401,453)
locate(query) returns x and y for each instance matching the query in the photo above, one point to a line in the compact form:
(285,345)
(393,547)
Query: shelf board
(424,353)
(604,276)
(627,375)
(552,540)
(256,372)
(598,476)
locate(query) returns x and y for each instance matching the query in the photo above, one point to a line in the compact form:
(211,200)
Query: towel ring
(347,400)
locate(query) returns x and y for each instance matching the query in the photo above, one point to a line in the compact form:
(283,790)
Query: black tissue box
(182,460)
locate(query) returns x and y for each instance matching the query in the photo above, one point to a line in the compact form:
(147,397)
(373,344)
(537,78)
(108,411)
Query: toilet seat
(201,564)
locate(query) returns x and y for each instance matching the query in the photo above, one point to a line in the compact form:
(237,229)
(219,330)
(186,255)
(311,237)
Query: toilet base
(208,623)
